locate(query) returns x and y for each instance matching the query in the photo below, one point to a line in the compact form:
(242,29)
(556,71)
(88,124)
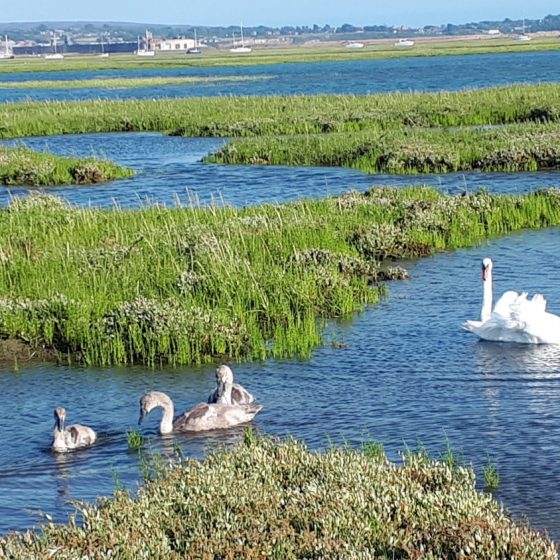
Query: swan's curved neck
(486,310)
(166,424)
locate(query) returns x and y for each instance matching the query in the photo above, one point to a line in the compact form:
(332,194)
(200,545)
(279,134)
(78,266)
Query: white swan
(200,418)
(515,318)
(72,437)
(225,386)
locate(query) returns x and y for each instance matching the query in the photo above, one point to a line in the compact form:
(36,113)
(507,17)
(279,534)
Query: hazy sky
(276,12)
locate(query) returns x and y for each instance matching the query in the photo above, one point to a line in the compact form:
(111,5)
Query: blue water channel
(344,77)
(401,372)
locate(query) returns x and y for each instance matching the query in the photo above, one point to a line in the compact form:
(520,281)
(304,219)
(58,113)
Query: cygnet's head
(150,401)
(60,417)
(224,374)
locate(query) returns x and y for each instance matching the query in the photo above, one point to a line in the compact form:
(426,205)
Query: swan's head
(59,417)
(224,375)
(486,268)
(152,400)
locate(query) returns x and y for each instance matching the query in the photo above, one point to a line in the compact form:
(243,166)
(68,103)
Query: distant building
(493,32)
(170,45)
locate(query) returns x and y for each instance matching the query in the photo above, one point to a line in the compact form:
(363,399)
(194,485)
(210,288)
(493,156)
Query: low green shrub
(266,499)
(21,166)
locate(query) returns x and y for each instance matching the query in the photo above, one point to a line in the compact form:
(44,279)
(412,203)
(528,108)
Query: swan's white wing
(538,303)
(503,305)
(532,310)
(523,308)
(502,310)
(524,325)
(542,327)
(500,329)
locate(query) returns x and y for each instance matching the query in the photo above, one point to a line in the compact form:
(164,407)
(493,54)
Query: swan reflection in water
(65,464)
(525,377)
(539,360)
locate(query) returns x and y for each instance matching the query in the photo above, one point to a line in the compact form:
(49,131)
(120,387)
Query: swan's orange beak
(484,273)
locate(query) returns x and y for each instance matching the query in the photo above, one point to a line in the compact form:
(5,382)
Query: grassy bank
(268,115)
(527,147)
(279,500)
(188,285)
(115,83)
(317,53)
(21,166)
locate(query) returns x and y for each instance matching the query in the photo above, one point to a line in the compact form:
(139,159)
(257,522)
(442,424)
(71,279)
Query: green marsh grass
(512,148)
(187,285)
(124,82)
(135,439)
(491,476)
(289,115)
(22,166)
(269,499)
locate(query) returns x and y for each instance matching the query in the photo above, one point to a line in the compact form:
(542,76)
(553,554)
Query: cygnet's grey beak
(142,414)
(220,390)
(58,421)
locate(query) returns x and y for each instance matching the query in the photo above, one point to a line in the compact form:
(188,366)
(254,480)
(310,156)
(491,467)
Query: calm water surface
(355,77)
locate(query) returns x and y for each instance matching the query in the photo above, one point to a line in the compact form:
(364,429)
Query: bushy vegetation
(266,499)
(21,166)
(186,285)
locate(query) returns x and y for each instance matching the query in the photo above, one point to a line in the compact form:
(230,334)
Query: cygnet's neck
(166,424)
(224,392)
(59,439)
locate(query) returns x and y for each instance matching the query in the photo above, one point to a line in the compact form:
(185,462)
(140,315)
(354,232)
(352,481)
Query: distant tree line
(40,32)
